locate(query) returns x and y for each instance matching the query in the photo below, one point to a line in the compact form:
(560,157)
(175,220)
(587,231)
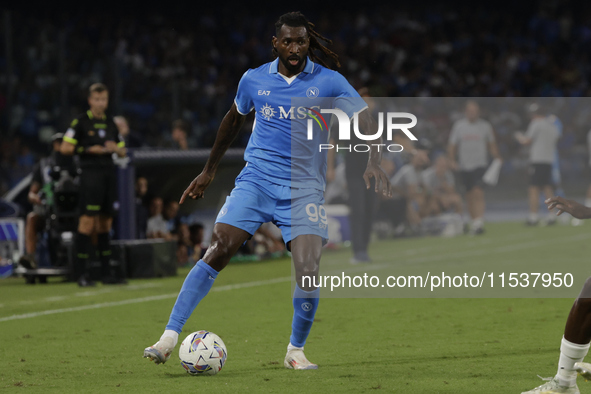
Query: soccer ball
(203,353)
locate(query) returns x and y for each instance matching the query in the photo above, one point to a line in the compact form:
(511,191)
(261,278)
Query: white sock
(291,347)
(588,202)
(533,217)
(477,223)
(570,353)
(171,334)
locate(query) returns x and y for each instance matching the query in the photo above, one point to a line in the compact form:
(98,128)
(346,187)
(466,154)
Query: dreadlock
(297,19)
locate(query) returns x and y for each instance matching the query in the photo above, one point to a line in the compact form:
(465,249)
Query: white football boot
(553,387)
(160,352)
(296,359)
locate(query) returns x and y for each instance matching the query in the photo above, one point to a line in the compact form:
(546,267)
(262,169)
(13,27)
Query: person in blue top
(284,177)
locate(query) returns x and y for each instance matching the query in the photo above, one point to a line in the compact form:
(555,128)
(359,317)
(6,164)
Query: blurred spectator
(184,246)
(470,140)
(41,197)
(171,216)
(440,190)
(180,135)
(157,227)
(132,139)
(542,136)
(196,234)
(409,203)
(141,207)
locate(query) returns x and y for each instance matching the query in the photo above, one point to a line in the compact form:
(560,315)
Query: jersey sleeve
(243,100)
(531,130)
(346,97)
(73,133)
(454,136)
(490,135)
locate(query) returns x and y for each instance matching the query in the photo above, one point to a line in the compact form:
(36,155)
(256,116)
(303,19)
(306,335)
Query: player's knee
(218,254)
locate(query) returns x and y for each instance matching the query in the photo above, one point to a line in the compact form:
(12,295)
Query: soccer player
(94,137)
(469,141)
(542,135)
(264,190)
(577,332)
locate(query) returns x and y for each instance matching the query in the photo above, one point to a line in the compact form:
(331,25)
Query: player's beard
(294,69)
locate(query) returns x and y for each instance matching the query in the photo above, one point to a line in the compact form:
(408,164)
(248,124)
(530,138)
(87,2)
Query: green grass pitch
(72,340)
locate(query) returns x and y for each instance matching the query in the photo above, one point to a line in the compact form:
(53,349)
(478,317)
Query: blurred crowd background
(162,67)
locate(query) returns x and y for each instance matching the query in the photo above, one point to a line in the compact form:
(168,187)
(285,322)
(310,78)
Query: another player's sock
(83,247)
(477,223)
(570,353)
(104,250)
(171,334)
(533,217)
(305,304)
(196,286)
(588,202)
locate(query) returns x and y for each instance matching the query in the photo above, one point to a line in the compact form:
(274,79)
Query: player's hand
(381,179)
(576,210)
(111,146)
(197,188)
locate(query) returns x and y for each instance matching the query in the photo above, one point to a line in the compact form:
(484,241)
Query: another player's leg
(225,241)
(573,349)
(306,250)
(83,248)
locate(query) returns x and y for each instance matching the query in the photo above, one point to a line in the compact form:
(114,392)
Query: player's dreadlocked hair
(297,19)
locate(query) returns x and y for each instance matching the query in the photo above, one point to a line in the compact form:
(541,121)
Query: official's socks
(83,247)
(196,286)
(104,250)
(305,304)
(570,353)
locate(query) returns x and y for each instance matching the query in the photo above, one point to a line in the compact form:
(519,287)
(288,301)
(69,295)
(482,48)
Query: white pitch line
(140,300)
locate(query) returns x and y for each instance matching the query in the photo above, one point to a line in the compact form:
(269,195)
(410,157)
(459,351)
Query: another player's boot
(583,369)
(553,387)
(160,352)
(296,359)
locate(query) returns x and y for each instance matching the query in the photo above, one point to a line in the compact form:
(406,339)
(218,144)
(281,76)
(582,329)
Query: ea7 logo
(264,92)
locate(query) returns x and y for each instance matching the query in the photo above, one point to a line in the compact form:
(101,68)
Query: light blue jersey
(272,145)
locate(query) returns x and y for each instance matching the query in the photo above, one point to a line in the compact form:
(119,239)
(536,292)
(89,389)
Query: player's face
(292,46)
(472,111)
(98,102)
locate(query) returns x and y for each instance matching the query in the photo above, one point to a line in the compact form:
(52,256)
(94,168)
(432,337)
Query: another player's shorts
(472,178)
(98,191)
(540,174)
(255,200)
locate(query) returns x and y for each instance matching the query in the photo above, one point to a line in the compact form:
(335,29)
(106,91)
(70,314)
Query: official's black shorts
(540,175)
(98,191)
(472,178)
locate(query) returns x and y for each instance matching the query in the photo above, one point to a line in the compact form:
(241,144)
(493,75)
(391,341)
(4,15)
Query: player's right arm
(229,129)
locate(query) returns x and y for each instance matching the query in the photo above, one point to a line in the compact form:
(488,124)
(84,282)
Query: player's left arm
(576,209)
(368,125)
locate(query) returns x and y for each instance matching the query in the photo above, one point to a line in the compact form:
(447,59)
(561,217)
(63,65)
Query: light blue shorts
(255,200)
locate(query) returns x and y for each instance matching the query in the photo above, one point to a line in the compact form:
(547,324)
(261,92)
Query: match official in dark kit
(94,137)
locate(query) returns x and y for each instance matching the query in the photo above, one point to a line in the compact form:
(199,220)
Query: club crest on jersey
(267,111)
(102,133)
(312,92)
